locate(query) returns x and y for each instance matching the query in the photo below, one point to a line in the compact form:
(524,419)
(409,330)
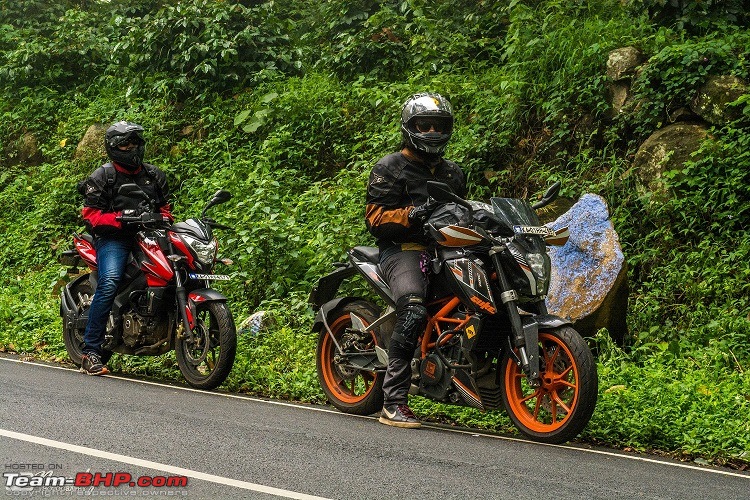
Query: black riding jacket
(398,182)
(102,204)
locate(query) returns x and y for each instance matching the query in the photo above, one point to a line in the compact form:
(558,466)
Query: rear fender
(326,309)
(325,290)
(68,303)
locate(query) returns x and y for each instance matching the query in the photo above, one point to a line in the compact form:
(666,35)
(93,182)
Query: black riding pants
(406,274)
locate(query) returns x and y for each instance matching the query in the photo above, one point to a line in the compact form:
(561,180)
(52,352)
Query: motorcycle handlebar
(146,219)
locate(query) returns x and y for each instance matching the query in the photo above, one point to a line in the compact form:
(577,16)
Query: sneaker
(399,416)
(91,364)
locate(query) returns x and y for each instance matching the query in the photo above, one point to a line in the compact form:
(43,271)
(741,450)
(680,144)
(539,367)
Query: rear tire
(560,408)
(206,363)
(72,336)
(351,391)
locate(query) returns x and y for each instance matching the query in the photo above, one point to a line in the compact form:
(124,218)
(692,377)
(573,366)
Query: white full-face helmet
(427,122)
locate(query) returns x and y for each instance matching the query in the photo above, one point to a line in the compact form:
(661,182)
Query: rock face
(589,283)
(666,149)
(622,63)
(712,100)
(91,146)
(23,150)
(28,150)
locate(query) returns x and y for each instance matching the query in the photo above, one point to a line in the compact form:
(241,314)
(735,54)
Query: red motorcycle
(164,301)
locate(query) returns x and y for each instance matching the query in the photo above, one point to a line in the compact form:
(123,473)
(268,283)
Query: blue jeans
(111,259)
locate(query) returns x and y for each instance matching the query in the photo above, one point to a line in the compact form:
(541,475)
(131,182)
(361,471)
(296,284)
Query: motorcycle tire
(73,337)
(349,390)
(206,363)
(560,408)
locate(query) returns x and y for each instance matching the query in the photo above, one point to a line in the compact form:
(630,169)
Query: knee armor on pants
(411,320)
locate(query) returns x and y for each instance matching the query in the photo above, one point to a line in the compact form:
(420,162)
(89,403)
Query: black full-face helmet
(427,123)
(121,134)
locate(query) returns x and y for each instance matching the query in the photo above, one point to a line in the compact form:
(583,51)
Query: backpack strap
(110,174)
(151,172)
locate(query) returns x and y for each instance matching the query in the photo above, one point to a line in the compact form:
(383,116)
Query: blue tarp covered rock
(589,273)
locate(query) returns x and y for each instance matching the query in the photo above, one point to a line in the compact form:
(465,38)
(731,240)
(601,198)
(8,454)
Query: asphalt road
(58,423)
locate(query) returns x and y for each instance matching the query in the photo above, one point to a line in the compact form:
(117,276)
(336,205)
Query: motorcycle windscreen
(514,212)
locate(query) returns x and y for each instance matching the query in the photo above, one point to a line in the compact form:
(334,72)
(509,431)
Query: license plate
(218,277)
(537,230)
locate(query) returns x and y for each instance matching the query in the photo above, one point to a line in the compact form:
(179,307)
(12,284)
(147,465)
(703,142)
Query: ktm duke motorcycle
(489,340)
(164,301)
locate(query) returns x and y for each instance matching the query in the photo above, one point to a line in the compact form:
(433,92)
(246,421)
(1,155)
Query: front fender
(326,309)
(550,321)
(200,296)
(205,295)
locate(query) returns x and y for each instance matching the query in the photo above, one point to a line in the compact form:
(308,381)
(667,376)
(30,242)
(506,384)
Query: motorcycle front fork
(181,294)
(525,333)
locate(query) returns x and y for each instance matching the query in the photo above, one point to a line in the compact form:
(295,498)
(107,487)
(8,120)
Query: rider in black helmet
(397,206)
(114,241)
(128,134)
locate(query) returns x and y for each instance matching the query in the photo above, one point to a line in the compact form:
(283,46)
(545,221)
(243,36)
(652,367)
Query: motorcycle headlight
(541,266)
(205,252)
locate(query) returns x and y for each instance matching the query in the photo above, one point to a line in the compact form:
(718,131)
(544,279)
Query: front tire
(207,361)
(351,391)
(561,407)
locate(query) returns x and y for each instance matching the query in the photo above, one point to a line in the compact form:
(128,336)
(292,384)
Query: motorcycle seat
(370,254)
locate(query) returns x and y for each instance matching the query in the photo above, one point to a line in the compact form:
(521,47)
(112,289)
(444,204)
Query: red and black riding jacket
(102,204)
(398,182)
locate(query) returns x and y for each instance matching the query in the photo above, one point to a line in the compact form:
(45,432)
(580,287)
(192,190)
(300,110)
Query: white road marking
(424,424)
(157,466)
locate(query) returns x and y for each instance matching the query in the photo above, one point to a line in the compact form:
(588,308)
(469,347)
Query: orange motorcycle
(489,340)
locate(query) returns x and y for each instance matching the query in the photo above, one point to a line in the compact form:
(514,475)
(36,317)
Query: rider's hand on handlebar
(136,217)
(148,218)
(130,213)
(420,213)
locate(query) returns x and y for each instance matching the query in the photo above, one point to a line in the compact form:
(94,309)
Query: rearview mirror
(221,196)
(549,196)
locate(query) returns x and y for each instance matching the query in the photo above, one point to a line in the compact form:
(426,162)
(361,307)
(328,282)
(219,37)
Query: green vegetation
(288,104)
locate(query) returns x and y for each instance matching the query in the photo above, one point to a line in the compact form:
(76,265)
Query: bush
(201,44)
(692,16)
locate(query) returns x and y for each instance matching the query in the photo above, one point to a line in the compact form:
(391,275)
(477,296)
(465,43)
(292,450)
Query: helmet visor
(425,124)
(132,138)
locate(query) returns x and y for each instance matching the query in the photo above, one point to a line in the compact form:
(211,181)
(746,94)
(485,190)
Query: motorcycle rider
(397,207)
(113,240)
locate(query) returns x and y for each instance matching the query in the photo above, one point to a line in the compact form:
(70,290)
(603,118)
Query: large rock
(618,95)
(91,146)
(23,150)
(666,149)
(589,284)
(712,100)
(28,150)
(622,63)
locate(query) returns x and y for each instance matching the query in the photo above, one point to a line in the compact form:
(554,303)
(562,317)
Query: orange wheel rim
(546,408)
(348,385)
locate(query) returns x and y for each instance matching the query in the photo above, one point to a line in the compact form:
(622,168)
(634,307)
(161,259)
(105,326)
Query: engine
(138,331)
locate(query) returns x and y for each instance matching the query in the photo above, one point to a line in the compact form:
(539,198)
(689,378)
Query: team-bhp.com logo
(18,482)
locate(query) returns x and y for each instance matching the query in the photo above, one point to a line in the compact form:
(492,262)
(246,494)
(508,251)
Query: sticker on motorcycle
(216,277)
(535,230)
